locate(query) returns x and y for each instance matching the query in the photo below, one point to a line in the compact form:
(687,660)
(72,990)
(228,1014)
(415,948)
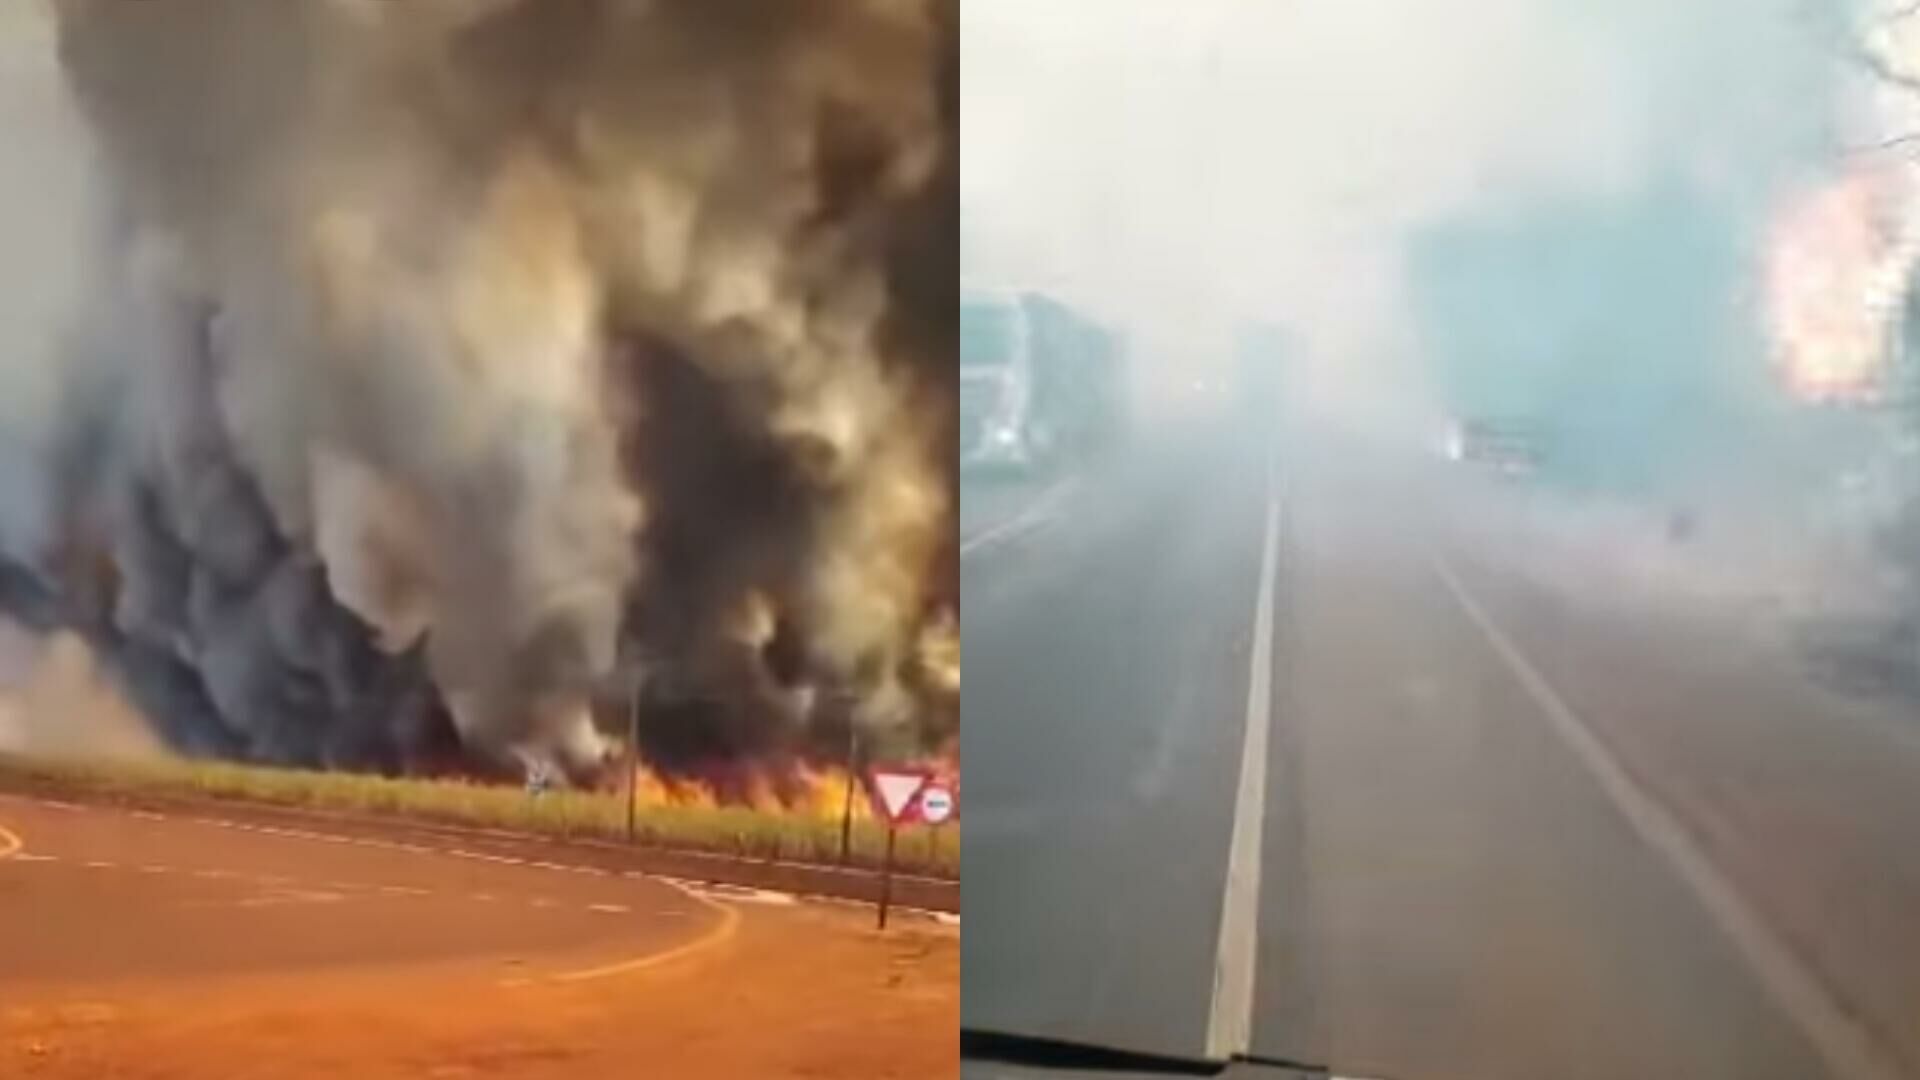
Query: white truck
(1039,382)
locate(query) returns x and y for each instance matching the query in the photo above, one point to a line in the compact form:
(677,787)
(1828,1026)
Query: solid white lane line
(1850,1049)
(1230,1018)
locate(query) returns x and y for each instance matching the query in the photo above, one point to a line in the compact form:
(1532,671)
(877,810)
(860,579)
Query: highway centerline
(1849,1048)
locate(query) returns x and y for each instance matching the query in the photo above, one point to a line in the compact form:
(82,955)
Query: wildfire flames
(818,792)
(1836,265)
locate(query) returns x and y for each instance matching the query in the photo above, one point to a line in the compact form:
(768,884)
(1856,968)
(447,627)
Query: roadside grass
(738,831)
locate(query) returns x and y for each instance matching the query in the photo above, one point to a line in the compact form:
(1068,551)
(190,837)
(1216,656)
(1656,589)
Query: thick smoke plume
(445,359)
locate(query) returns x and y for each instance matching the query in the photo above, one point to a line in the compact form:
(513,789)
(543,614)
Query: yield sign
(895,789)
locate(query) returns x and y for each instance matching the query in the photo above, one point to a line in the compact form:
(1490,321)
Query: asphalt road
(101,895)
(1525,813)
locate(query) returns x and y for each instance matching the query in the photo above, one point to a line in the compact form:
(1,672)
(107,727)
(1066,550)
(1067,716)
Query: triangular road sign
(896,789)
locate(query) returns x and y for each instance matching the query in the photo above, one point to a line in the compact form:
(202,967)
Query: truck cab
(999,426)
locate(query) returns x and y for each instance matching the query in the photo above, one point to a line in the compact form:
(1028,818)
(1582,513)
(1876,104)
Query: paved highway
(1518,811)
(187,944)
(95,895)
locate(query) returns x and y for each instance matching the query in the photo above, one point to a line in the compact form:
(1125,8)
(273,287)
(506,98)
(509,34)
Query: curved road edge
(929,896)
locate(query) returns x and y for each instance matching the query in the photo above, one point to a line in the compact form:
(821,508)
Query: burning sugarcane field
(526,418)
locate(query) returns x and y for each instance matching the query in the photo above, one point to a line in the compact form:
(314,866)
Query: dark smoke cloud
(440,354)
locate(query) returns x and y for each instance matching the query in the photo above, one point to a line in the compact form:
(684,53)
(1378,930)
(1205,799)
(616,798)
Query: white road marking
(1230,1017)
(291,896)
(711,892)
(609,909)
(766,896)
(459,853)
(740,893)
(1850,1049)
(1037,513)
(95,864)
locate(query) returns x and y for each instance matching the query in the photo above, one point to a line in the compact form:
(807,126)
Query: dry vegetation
(748,832)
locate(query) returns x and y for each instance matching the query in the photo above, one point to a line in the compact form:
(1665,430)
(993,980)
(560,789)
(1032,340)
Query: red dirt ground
(796,991)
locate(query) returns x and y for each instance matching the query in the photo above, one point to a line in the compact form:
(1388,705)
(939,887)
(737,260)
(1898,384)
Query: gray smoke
(427,346)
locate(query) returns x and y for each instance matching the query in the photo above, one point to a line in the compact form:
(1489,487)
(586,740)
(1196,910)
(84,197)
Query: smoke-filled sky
(378,374)
(1184,165)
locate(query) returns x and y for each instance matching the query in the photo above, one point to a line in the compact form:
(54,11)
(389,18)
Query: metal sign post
(896,791)
(846,803)
(633,754)
(886,875)
(935,810)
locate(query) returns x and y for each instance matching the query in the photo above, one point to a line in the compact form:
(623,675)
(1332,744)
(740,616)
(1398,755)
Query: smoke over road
(435,360)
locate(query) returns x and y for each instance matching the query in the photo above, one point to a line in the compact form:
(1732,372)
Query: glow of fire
(1835,262)
(811,791)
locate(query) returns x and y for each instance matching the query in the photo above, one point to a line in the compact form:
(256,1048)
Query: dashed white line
(609,909)
(505,860)
(708,890)
(741,893)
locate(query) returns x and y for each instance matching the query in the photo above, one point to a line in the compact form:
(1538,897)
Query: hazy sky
(1178,165)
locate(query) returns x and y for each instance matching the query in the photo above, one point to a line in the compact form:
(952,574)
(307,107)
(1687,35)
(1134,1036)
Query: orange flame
(805,790)
(1834,270)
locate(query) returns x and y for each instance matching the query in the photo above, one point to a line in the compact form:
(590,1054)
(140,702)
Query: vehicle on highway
(1507,447)
(1039,383)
